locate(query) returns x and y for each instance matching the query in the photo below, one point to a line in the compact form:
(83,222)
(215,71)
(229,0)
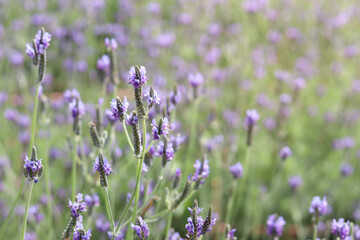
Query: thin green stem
(230,202)
(127,136)
(315,231)
(27,211)
(109,211)
(73,170)
(138,177)
(168,225)
(148,148)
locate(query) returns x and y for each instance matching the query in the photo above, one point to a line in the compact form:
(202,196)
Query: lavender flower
(132,119)
(79,231)
(275,225)
(161,129)
(174,235)
(70,95)
(78,206)
(318,206)
(119,108)
(195,79)
(295,181)
(141,228)
(252,116)
(42,40)
(111,44)
(77,108)
(340,228)
(137,79)
(103,167)
(346,169)
(33,168)
(152,97)
(285,152)
(30,51)
(196,226)
(202,170)
(92,201)
(230,235)
(103,63)
(236,170)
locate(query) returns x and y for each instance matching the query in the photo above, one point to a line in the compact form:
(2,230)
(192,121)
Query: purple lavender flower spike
(132,119)
(202,171)
(318,206)
(119,110)
(236,170)
(252,116)
(78,206)
(196,79)
(346,169)
(152,97)
(103,167)
(42,41)
(30,51)
(295,181)
(275,225)
(33,168)
(135,80)
(77,108)
(285,152)
(111,44)
(103,63)
(161,129)
(231,234)
(141,228)
(340,228)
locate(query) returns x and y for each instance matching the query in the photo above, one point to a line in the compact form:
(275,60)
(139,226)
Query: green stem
(231,203)
(49,214)
(109,211)
(315,231)
(27,211)
(73,170)
(127,136)
(148,148)
(140,161)
(168,225)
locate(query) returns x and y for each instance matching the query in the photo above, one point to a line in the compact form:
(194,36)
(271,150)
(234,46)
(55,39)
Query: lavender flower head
(236,170)
(196,225)
(132,119)
(340,228)
(106,167)
(196,79)
(78,206)
(33,168)
(141,228)
(161,129)
(103,63)
(202,171)
(275,225)
(70,95)
(346,169)
(30,51)
(77,108)
(285,152)
(79,232)
(42,41)
(119,110)
(92,201)
(318,206)
(295,181)
(111,44)
(231,234)
(137,79)
(252,116)
(152,97)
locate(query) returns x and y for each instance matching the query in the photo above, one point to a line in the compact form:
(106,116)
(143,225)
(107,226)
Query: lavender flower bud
(275,225)
(162,129)
(341,228)
(194,217)
(177,178)
(236,170)
(94,134)
(202,171)
(69,229)
(252,117)
(230,233)
(103,167)
(33,168)
(208,223)
(137,77)
(285,152)
(141,229)
(121,107)
(133,120)
(152,97)
(318,206)
(183,195)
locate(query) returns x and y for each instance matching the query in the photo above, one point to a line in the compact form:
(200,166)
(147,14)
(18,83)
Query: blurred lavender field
(253,112)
